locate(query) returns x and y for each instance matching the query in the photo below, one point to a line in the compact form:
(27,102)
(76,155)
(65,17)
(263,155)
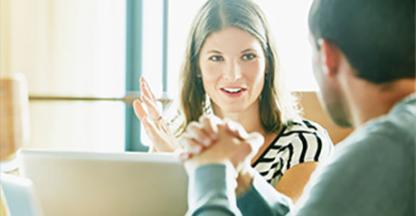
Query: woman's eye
(248,56)
(216,58)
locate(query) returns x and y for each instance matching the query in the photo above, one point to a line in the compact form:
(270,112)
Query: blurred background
(82,60)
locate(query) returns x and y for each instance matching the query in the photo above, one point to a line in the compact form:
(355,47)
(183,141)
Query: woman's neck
(249,118)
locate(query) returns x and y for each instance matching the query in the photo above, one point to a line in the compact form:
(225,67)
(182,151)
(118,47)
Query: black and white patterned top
(300,142)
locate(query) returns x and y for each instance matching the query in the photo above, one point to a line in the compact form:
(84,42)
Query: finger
(145,87)
(185,156)
(192,146)
(151,131)
(209,126)
(247,149)
(255,140)
(196,132)
(241,154)
(151,108)
(236,129)
(154,133)
(156,116)
(139,109)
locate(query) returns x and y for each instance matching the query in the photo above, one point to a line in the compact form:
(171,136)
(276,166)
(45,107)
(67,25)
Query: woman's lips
(233,92)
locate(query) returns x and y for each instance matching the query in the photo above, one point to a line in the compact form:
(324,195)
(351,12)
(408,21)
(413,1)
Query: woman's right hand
(213,140)
(155,126)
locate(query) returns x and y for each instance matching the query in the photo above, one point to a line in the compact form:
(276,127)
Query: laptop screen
(85,183)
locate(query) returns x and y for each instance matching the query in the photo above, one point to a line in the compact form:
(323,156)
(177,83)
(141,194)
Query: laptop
(87,183)
(20,196)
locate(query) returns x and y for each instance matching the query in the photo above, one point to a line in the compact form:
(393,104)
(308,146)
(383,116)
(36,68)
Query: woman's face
(232,64)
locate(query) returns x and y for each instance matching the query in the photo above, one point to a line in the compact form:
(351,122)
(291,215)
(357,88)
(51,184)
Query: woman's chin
(232,109)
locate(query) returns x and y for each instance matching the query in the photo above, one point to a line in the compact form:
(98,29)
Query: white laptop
(81,183)
(20,196)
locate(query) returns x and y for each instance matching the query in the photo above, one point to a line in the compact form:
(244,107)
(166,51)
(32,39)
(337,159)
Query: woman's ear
(330,57)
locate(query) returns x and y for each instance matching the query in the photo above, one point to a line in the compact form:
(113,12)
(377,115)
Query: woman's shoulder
(304,128)
(301,134)
(299,141)
(301,125)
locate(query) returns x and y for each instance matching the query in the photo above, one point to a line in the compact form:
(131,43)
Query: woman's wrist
(244,180)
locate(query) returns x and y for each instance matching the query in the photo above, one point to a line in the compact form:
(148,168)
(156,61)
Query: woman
(230,70)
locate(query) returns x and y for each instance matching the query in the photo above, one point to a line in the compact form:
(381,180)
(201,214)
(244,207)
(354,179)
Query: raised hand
(155,126)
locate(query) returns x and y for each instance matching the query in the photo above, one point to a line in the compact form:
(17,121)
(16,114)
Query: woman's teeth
(232,90)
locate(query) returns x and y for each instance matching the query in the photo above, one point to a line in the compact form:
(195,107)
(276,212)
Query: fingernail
(146,120)
(206,142)
(184,156)
(229,126)
(214,137)
(196,150)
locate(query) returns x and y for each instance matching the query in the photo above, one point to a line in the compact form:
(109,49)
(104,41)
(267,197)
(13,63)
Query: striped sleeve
(310,145)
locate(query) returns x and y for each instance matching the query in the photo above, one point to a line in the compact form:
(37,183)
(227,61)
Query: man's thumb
(255,140)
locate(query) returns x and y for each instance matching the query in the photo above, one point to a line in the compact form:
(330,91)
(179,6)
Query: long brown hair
(276,107)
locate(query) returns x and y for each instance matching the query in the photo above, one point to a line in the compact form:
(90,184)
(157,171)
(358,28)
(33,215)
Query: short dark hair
(376,36)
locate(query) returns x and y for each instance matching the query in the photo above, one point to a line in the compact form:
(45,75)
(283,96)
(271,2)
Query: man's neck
(377,100)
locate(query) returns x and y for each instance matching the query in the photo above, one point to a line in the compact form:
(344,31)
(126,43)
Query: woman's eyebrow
(214,51)
(249,49)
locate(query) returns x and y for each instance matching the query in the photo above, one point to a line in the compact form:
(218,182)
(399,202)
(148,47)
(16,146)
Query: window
(287,19)
(78,48)
(68,49)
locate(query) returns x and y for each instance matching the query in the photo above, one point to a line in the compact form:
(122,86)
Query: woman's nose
(233,71)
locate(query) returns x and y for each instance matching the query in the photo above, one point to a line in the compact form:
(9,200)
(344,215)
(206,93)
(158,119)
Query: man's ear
(330,57)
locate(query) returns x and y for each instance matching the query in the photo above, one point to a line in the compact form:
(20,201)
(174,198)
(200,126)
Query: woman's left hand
(212,140)
(155,126)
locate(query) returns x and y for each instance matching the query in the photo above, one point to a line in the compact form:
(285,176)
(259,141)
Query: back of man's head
(376,36)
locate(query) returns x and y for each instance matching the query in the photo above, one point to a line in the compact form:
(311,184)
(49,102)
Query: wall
(313,111)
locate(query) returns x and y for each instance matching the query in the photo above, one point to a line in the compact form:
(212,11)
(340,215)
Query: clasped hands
(212,140)
(215,141)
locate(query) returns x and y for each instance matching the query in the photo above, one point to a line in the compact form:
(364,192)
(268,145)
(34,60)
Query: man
(364,62)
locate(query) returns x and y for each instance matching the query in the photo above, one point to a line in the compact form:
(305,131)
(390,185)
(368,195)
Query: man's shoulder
(380,142)
(369,162)
(396,129)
